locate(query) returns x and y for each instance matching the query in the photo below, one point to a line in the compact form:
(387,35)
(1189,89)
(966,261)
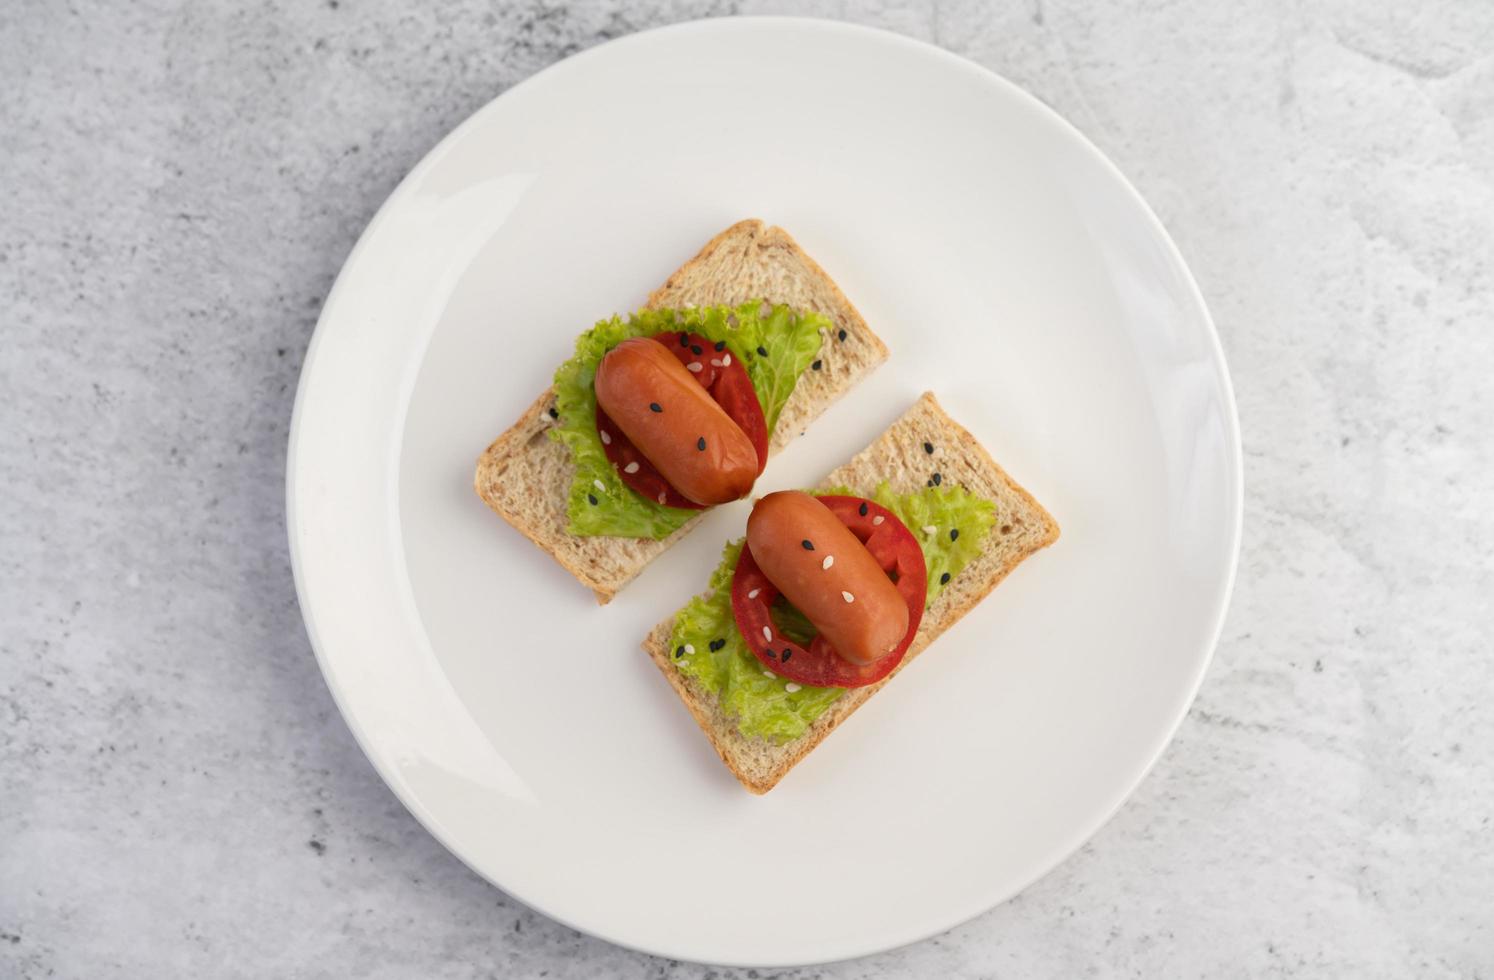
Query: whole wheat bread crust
(525,476)
(760,763)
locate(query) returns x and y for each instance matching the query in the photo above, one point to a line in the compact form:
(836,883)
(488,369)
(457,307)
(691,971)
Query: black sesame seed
(593,498)
(554,414)
(717,645)
(944,579)
(684,340)
(938,479)
(841,335)
(863,508)
(817,365)
(679,652)
(772,654)
(696,349)
(808,544)
(721,345)
(954,534)
(655,407)
(928,483)
(787,654)
(928,447)
(762,352)
(700,443)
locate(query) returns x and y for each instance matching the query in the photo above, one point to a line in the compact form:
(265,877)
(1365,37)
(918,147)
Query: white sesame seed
(726,361)
(791,687)
(878,519)
(696,366)
(930,529)
(662,496)
(606,439)
(753,593)
(599,485)
(829,560)
(767,634)
(716,362)
(769,673)
(689,648)
(848,597)
(631,468)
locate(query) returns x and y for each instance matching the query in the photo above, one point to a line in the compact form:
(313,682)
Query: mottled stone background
(179,183)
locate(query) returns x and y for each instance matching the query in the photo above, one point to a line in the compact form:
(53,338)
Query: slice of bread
(525,476)
(897,456)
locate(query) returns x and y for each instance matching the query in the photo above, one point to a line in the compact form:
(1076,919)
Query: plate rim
(1233,440)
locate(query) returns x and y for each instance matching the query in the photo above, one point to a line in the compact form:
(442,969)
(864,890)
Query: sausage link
(675,422)
(827,573)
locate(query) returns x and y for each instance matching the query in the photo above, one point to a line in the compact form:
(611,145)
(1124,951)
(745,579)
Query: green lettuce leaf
(960,519)
(776,348)
(790,341)
(760,701)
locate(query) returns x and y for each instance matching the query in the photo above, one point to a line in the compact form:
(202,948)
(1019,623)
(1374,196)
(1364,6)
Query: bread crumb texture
(901,457)
(525,477)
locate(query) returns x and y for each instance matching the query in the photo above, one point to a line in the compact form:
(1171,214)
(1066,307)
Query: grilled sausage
(827,573)
(675,423)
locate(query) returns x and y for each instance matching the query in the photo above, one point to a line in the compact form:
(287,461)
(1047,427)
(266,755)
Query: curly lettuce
(718,658)
(775,346)
(706,644)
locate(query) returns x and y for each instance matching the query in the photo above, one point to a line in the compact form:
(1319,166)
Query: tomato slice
(723,376)
(895,549)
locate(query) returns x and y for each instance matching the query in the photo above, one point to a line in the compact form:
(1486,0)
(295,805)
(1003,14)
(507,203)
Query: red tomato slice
(721,374)
(895,549)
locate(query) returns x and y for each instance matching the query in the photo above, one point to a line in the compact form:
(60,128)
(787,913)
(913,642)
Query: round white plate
(1009,268)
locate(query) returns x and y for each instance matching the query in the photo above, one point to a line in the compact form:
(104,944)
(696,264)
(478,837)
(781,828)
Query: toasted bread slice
(898,457)
(525,476)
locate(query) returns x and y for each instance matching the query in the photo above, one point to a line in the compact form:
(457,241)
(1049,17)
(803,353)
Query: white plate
(1010,269)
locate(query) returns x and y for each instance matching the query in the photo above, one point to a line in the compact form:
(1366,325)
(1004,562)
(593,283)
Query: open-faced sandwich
(675,408)
(833,591)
